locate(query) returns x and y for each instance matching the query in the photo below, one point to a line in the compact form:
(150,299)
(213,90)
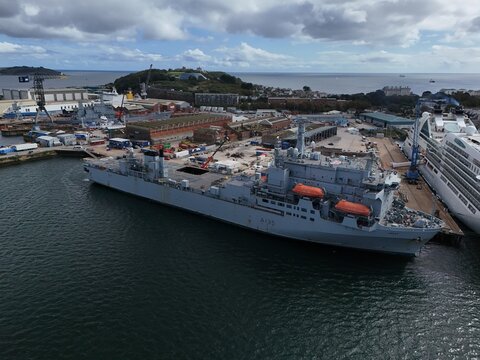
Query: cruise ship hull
(454,204)
(450,159)
(378,238)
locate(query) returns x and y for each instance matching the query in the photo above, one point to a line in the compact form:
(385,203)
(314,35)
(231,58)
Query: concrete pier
(417,196)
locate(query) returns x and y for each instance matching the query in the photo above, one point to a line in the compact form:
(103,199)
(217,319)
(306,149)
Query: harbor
(345,141)
(263,180)
(98,238)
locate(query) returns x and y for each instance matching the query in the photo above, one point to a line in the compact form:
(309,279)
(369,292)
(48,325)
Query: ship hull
(454,204)
(378,238)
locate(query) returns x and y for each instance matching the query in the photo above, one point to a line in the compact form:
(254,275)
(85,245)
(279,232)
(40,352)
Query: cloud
(380,22)
(9,8)
(10,48)
(195,55)
(113,53)
(246,55)
(359,28)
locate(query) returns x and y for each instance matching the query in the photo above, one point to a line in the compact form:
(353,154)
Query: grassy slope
(218,82)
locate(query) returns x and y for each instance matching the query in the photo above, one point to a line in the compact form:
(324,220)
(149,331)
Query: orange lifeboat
(310,191)
(352,208)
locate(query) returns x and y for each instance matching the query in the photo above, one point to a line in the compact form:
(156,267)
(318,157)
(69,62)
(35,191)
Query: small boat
(432,81)
(401,75)
(353,208)
(310,191)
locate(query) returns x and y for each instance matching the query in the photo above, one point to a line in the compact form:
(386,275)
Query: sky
(331,36)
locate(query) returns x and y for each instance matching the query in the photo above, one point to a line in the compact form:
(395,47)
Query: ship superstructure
(340,201)
(450,144)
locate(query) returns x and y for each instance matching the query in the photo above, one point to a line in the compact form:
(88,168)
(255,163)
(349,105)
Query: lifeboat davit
(353,208)
(310,191)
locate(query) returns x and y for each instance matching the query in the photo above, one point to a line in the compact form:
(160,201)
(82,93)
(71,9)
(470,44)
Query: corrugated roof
(387,117)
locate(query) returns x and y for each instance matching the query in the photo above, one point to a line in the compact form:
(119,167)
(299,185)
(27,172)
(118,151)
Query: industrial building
(170,94)
(258,126)
(336,118)
(159,105)
(67,139)
(288,138)
(209,135)
(386,120)
(51,95)
(173,128)
(284,102)
(48,141)
(212,99)
(397,90)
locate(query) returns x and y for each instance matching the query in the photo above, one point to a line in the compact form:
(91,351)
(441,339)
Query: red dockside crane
(210,158)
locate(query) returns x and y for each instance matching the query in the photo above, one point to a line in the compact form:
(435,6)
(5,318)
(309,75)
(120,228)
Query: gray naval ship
(340,201)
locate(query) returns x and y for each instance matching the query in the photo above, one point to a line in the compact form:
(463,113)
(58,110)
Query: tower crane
(412,174)
(144,86)
(39,92)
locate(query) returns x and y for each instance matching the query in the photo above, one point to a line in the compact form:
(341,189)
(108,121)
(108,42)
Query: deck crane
(210,158)
(144,86)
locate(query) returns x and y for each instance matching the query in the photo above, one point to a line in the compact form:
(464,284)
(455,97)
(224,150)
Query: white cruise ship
(450,144)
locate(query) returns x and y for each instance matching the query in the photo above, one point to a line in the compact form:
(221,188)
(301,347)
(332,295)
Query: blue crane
(412,174)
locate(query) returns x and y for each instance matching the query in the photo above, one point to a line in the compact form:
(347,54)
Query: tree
(307,88)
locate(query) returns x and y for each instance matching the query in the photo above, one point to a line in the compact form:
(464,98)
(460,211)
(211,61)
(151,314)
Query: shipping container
(6,150)
(141,143)
(119,143)
(24,147)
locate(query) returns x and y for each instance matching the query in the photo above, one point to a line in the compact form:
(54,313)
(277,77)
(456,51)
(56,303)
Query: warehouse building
(51,95)
(288,138)
(212,99)
(386,120)
(174,128)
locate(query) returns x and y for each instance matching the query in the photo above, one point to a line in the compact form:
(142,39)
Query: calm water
(331,83)
(90,273)
(10,140)
(358,83)
(74,79)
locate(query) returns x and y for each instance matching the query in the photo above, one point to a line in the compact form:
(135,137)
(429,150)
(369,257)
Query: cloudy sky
(249,35)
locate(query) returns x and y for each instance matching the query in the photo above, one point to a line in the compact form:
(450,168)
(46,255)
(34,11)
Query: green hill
(216,82)
(28,70)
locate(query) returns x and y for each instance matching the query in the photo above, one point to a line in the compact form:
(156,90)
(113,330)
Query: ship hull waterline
(381,239)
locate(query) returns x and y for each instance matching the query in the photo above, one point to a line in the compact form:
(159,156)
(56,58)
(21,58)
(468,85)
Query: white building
(397,90)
